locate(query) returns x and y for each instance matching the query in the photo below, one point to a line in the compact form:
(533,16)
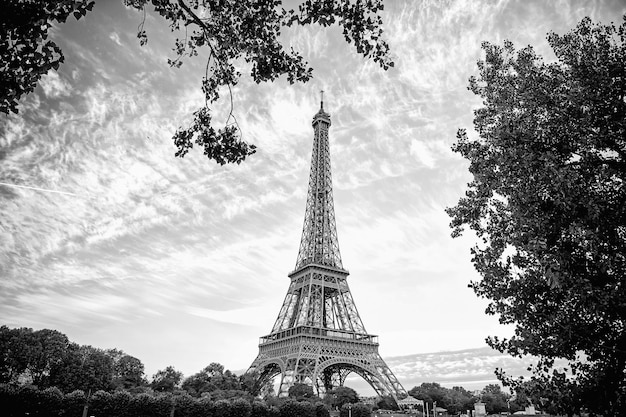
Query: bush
(292,408)
(240,408)
(16,401)
(186,406)
(259,409)
(11,400)
(73,404)
(221,408)
(50,402)
(145,405)
(321,410)
(101,404)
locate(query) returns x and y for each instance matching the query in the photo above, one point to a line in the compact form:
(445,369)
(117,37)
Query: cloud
(103,231)
(115,38)
(422,153)
(54,86)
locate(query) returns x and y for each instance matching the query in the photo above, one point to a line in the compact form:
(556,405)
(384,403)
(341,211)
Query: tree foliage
(548,204)
(47,358)
(301,392)
(495,400)
(83,367)
(26,53)
(218,383)
(223,32)
(293,408)
(341,395)
(355,410)
(455,400)
(166,380)
(387,402)
(128,371)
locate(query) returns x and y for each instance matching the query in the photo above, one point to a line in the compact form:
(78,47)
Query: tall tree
(166,380)
(341,395)
(14,353)
(301,392)
(548,204)
(458,400)
(83,368)
(30,354)
(495,399)
(47,351)
(128,371)
(223,32)
(211,379)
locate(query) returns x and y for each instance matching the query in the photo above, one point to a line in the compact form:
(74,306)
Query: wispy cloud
(103,231)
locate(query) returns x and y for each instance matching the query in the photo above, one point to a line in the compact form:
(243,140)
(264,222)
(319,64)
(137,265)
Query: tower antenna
(322,99)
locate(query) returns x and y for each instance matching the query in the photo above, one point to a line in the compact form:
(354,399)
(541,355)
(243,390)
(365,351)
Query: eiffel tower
(318,337)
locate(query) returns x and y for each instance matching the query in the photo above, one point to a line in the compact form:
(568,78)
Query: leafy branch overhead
(26,53)
(220,31)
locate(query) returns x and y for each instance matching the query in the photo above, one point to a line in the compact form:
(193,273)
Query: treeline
(47,358)
(458,400)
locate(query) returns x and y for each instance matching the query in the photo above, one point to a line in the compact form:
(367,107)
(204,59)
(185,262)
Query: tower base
(323,359)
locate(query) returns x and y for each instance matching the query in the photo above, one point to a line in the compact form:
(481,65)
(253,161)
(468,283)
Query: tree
(248,382)
(429,392)
(83,368)
(301,392)
(128,371)
(548,204)
(387,402)
(495,400)
(212,379)
(14,353)
(458,400)
(455,400)
(30,354)
(224,32)
(340,396)
(166,380)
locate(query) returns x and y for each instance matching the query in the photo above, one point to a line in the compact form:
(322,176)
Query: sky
(110,239)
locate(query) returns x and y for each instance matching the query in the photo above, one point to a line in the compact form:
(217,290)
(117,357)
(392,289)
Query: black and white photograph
(283,208)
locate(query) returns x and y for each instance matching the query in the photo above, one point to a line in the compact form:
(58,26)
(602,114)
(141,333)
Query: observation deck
(330,334)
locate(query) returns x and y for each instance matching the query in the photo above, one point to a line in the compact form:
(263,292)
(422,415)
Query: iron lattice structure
(318,337)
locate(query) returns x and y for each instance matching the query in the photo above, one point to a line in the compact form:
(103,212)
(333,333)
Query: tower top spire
(319,244)
(321,114)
